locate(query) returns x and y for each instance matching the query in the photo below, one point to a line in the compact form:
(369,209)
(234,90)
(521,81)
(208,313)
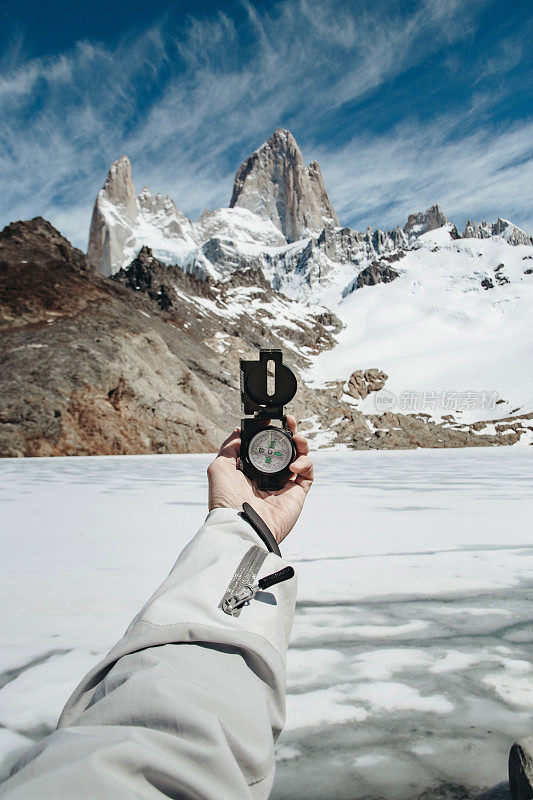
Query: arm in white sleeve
(189,703)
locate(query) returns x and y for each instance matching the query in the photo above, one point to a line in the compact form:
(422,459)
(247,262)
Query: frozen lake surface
(409,671)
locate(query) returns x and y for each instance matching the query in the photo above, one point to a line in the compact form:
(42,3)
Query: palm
(281,507)
(230,488)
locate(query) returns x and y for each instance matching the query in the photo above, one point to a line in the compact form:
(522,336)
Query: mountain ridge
(275,198)
(147,361)
(139,351)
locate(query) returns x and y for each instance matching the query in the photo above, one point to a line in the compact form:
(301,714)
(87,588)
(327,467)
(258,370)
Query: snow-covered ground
(408,668)
(445,342)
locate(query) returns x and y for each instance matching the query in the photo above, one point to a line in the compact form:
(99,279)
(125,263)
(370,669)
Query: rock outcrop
(164,285)
(376,273)
(362,382)
(502,227)
(275,184)
(395,431)
(422,222)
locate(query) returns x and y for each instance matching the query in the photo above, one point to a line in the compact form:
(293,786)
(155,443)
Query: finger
(301,444)
(230,450)
(300,464)
(236,433)
(303,469)
(291,422)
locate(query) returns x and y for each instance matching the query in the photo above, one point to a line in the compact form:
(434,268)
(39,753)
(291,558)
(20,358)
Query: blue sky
(403,103)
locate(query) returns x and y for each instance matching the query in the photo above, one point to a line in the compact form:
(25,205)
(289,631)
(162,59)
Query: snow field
(435,329)
(412,634)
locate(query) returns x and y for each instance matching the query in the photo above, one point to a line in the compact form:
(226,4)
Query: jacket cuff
(187,606)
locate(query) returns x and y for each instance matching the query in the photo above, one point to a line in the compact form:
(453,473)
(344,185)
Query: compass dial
(270,450)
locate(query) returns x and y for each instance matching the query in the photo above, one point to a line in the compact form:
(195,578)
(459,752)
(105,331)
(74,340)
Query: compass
(271,450)
(267,450)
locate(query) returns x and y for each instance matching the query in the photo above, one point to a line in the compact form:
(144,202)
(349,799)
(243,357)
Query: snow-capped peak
(280,219)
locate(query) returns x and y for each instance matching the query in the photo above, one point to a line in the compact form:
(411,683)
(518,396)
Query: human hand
(230,488)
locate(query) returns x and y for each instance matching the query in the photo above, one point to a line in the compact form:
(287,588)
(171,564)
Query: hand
(230,488)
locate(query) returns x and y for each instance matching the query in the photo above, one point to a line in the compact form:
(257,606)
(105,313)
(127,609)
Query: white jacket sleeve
(190,701)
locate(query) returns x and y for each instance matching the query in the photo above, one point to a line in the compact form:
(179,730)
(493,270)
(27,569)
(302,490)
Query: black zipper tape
(260,527)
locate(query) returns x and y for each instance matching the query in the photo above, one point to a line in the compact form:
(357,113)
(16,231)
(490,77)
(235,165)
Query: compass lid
(267,383)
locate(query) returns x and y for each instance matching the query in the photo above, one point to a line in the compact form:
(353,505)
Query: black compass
(266,450)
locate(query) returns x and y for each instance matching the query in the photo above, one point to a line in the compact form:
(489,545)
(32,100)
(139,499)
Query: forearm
(191,700)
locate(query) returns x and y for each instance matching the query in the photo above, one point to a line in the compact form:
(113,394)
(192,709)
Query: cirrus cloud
(187,102)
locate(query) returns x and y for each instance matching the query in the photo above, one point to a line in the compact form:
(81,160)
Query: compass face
(270,450)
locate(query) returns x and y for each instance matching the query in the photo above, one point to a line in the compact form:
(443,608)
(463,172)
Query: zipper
(245,574)
(243,588)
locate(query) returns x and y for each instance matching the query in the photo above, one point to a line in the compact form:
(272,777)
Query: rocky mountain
(276,185)
(147,361)
(280,219)
(121,221)
(135,348)
(502,227)
(422,222)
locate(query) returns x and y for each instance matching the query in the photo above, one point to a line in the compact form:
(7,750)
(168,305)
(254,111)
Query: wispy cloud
(478,175)
(187,103)
(508,55)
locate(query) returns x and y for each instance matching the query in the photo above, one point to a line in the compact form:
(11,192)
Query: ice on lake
(408,672)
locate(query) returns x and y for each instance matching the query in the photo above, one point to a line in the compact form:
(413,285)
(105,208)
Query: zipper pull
(249,591)
(276,577)
(244,595)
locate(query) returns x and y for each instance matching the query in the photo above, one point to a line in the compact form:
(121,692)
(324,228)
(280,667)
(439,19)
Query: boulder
(521,769)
